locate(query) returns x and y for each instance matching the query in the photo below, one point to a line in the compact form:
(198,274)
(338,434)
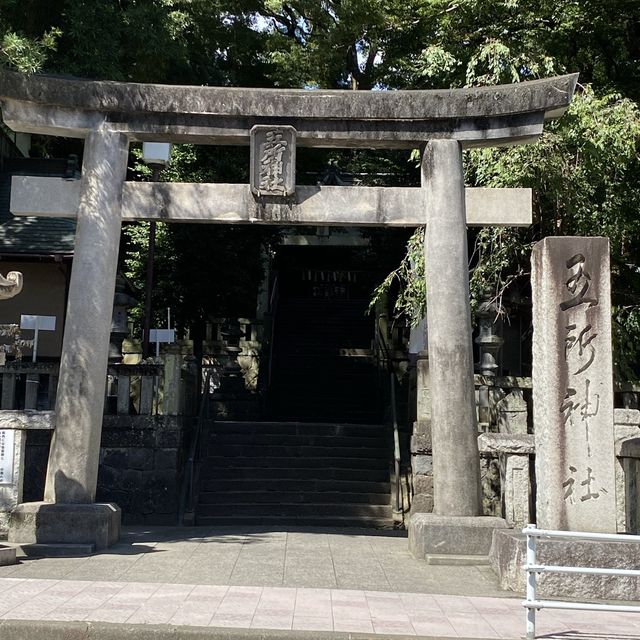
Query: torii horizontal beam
(477,116)
(235,204)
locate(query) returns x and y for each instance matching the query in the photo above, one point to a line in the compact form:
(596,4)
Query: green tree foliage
(584,171)
(201,271)
(166,41)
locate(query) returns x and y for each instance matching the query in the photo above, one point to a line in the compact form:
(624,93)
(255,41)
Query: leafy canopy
(584,171)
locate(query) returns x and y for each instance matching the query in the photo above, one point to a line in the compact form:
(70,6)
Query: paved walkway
(300,580)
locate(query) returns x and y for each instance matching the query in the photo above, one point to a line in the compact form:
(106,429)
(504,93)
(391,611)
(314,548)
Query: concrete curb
(56,630)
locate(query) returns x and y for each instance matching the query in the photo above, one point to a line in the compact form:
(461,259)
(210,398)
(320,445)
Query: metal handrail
(380,340)
(273,301)
(532,604)
(189,506)
(396,446)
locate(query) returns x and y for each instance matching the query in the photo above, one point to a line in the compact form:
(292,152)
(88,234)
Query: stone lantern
(119,325)
(490,344)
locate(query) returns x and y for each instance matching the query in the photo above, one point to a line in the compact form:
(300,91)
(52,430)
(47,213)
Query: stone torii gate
(110,115)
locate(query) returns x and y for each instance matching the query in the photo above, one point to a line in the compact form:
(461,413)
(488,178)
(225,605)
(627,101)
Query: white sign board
(7,439)
(161,335)
(37,323)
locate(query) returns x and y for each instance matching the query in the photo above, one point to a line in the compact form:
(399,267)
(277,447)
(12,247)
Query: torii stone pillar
(68,513)
(456,462)
(455,526)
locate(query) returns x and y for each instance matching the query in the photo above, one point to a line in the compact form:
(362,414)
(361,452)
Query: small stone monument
(573,385)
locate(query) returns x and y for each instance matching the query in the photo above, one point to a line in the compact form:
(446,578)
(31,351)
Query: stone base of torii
(109,116)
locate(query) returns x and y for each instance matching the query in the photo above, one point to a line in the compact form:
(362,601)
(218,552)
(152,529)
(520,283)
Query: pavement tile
(420,604)
(354,625)
(134,593)
(495,604)
(351,612)
(67,588)
(313,603)
(240,601)
(66,615)
(470,623)
(393,627)
(153,613)
(32,586)
(117,614)
(310,623)
(507,624)
(271,621)
(301,578)
(277,601)
(458,604)
(186,615)
(207,591)
(231,620)
(436,625)
(254,578)
(347,596)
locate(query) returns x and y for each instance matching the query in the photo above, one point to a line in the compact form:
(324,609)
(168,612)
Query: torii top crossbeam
(484,116)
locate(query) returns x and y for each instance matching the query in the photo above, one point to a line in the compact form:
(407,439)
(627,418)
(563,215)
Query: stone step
(274,472)
(213,473)
(297,439)
(57,550)
(448,560)
(276,509)
(273,522)
(221,448)
(342,429)
(302,411)
(285,484)
(291,497)
(316,463)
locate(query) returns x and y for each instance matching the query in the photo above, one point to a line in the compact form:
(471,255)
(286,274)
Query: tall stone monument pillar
(454,527)
(573,385)
(68,513)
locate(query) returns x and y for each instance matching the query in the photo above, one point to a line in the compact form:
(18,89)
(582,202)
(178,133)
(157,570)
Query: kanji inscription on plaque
(273,160)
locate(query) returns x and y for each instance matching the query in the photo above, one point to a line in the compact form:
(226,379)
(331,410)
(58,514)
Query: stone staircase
(323,368)
(291,473)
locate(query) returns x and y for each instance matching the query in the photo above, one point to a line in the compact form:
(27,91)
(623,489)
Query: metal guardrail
(533,568)
(396,448)
(187,514)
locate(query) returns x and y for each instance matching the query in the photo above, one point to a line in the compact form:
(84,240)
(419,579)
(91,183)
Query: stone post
(454,526)
(573,385)
(172,381)
(456,467)
(75,448)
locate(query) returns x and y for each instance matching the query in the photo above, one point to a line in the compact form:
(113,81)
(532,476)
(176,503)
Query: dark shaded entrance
(323,366)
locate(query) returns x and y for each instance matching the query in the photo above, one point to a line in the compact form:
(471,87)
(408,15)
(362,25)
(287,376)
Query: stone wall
(141,466)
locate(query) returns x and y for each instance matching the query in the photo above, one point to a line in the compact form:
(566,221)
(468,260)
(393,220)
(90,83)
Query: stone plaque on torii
(110,115)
